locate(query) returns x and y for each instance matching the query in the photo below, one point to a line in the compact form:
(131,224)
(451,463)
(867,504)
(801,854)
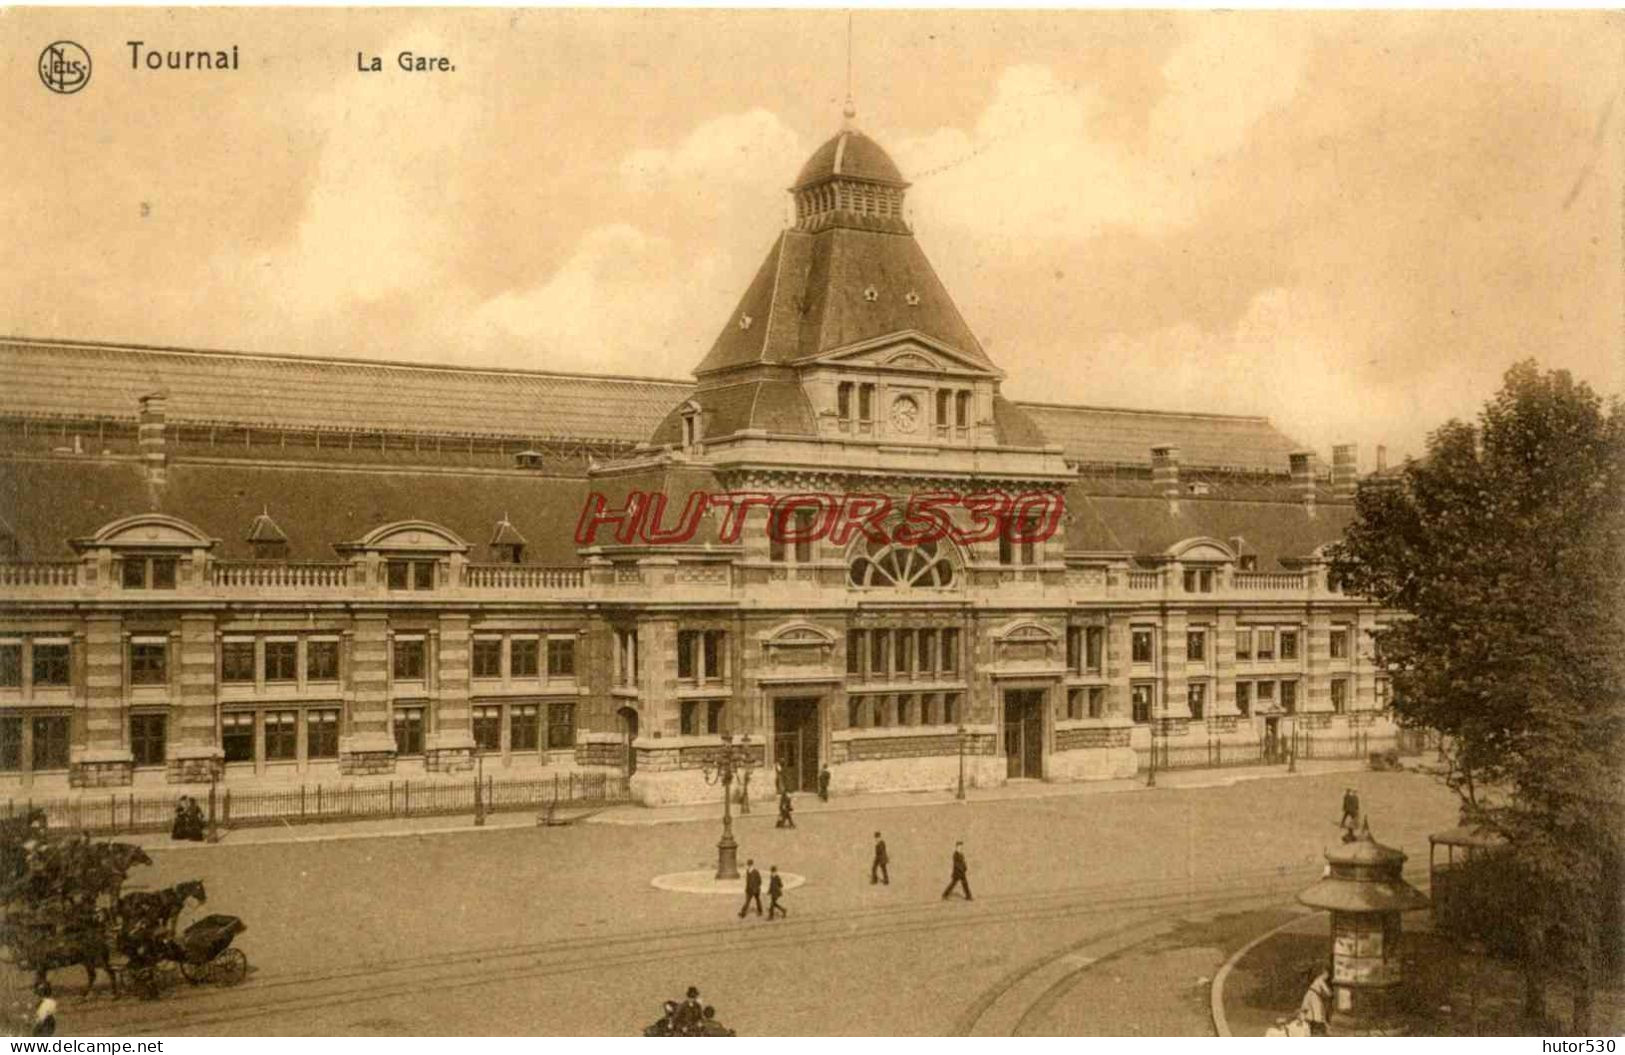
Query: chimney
(1303,478)
(151,436)
(1345,474)
(1165,473)
(1382,458)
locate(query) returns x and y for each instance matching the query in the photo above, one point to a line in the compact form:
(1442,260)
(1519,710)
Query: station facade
(274,567)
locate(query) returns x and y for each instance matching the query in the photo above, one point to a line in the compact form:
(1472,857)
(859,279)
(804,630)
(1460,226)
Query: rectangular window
(523,653)
(561,725)
(1289,697)
(1340,695)
(409,659)
(51,742)
(1074,704)
(1244,698)
(950,650)
(1340,643)
(149,663)
(488,728)
(237,661)
(11,665)
(522,727)
(854,712)
(1029,552)
(880,711)
(133,573)
(1384,693)
(1265,691)
(148,734)
(804,529)
(905,709)
(321,661)
(951,712)
(237,736)
(487,657)
(1196,645)
(1097,701)
(1196,697)
(399,574)
(689,718)
(281,736)
(1198,580)
(866,402)
(687,642)
(163,573)
(1006,548)
(713,716)
(1074,648)
(322,733)
(775,536)
(1140,639)
(422,575)
(1264,645)
(880,654)
(854,651)
(282,661)
(1094,648)
(408,731)
(50,664)
(1289,644)
(712,655)
(843,401)
(1140,697)
(928,652)
(11,743)
(943,421)
(1244,644)
(962,408)
(905,652)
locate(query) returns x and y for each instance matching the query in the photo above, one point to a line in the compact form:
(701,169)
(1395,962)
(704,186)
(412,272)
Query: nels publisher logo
(64,67)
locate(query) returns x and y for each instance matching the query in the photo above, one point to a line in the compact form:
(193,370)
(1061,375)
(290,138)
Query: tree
(1505,547)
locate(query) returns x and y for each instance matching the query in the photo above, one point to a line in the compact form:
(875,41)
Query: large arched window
(897,565)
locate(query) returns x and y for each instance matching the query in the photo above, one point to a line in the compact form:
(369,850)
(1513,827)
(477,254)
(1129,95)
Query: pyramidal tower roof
(847,271)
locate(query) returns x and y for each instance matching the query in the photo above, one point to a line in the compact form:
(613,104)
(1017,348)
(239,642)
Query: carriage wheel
(229,968)
(153,981)
(196,973)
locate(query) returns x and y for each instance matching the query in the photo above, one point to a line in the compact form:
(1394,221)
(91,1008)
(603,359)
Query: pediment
(909,350)
(1200,550)
(147,530)
(414,535)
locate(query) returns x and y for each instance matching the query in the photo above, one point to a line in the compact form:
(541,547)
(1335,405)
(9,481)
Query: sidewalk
(806,804)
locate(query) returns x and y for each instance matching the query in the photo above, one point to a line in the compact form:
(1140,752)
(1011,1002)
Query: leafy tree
(1505,546)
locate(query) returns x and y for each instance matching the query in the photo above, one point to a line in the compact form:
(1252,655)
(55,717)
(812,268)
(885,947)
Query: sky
(1351,222)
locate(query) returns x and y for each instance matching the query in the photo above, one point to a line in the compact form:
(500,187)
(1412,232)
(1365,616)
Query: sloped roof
(852,154)
(808,298)
(53,500)
(1110,436)
(1148,526)
(778,406)
(60,378)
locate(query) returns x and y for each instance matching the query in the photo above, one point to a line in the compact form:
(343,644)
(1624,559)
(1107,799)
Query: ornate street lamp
(734,759)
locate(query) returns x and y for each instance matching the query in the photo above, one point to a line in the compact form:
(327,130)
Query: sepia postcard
(799,523)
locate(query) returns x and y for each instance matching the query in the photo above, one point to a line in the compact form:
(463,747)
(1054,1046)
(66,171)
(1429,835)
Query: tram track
(302,992)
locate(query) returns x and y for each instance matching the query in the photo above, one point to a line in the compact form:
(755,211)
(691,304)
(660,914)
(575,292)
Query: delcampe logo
(64,67)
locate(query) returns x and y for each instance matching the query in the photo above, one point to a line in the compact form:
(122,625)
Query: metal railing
(130,812)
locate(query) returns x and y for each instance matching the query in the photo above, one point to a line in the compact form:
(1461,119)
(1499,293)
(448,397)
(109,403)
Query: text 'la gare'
(409,61)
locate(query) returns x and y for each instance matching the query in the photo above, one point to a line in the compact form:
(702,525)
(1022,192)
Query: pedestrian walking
(823,782)
(1315,1003)
(690,1014)
(785,809)
(877,871)
(44,1024)
(775,890)
(1351,810)
(753,889)
(960,873)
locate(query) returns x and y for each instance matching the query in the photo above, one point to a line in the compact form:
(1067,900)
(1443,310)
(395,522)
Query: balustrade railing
(1268,580)
(521,577)
(1144,580)
(271,574)
(40,573)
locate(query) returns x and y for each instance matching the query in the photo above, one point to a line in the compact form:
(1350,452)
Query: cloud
(746,149)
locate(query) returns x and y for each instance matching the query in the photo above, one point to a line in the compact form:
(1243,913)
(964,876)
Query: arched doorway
(629,720)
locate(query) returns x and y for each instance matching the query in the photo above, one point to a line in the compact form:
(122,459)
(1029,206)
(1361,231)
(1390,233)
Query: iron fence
(1210,754)
(131,812)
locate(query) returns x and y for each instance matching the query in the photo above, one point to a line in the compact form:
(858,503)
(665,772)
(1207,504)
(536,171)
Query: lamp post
(734,759)
(479,786)
(963,736)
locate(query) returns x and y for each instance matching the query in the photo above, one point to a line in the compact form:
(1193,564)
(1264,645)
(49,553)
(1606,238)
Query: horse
(82,940)
(157,910)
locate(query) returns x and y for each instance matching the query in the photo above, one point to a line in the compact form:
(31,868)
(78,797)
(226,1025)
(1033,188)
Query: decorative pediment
(798,644)
(1198,550)
(1025,644)
(907,350)
(418,536)
(147,531)
(1024,630)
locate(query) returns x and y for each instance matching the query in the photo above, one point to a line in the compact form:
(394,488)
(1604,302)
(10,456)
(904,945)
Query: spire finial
(850,110)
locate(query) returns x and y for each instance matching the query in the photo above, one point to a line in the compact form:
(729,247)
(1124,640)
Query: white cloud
(750,149)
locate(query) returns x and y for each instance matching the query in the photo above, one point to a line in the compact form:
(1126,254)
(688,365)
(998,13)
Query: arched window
(897,565)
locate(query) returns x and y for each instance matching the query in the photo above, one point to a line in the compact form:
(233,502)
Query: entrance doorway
(629,718)
(1024,733)
(796,741)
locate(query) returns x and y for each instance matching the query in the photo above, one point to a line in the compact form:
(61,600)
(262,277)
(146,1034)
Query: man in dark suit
(785,809)
(823,782)
(1351,810)
(877,871)
(690,1014)
(960,872)
(753,889)
(775,890)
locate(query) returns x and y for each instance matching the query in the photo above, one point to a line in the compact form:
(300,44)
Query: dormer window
(507,544)
(411,574)
(267,539)
(147,572)
(692,433)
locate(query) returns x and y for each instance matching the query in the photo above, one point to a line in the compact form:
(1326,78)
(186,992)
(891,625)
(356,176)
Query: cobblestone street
(558,930)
